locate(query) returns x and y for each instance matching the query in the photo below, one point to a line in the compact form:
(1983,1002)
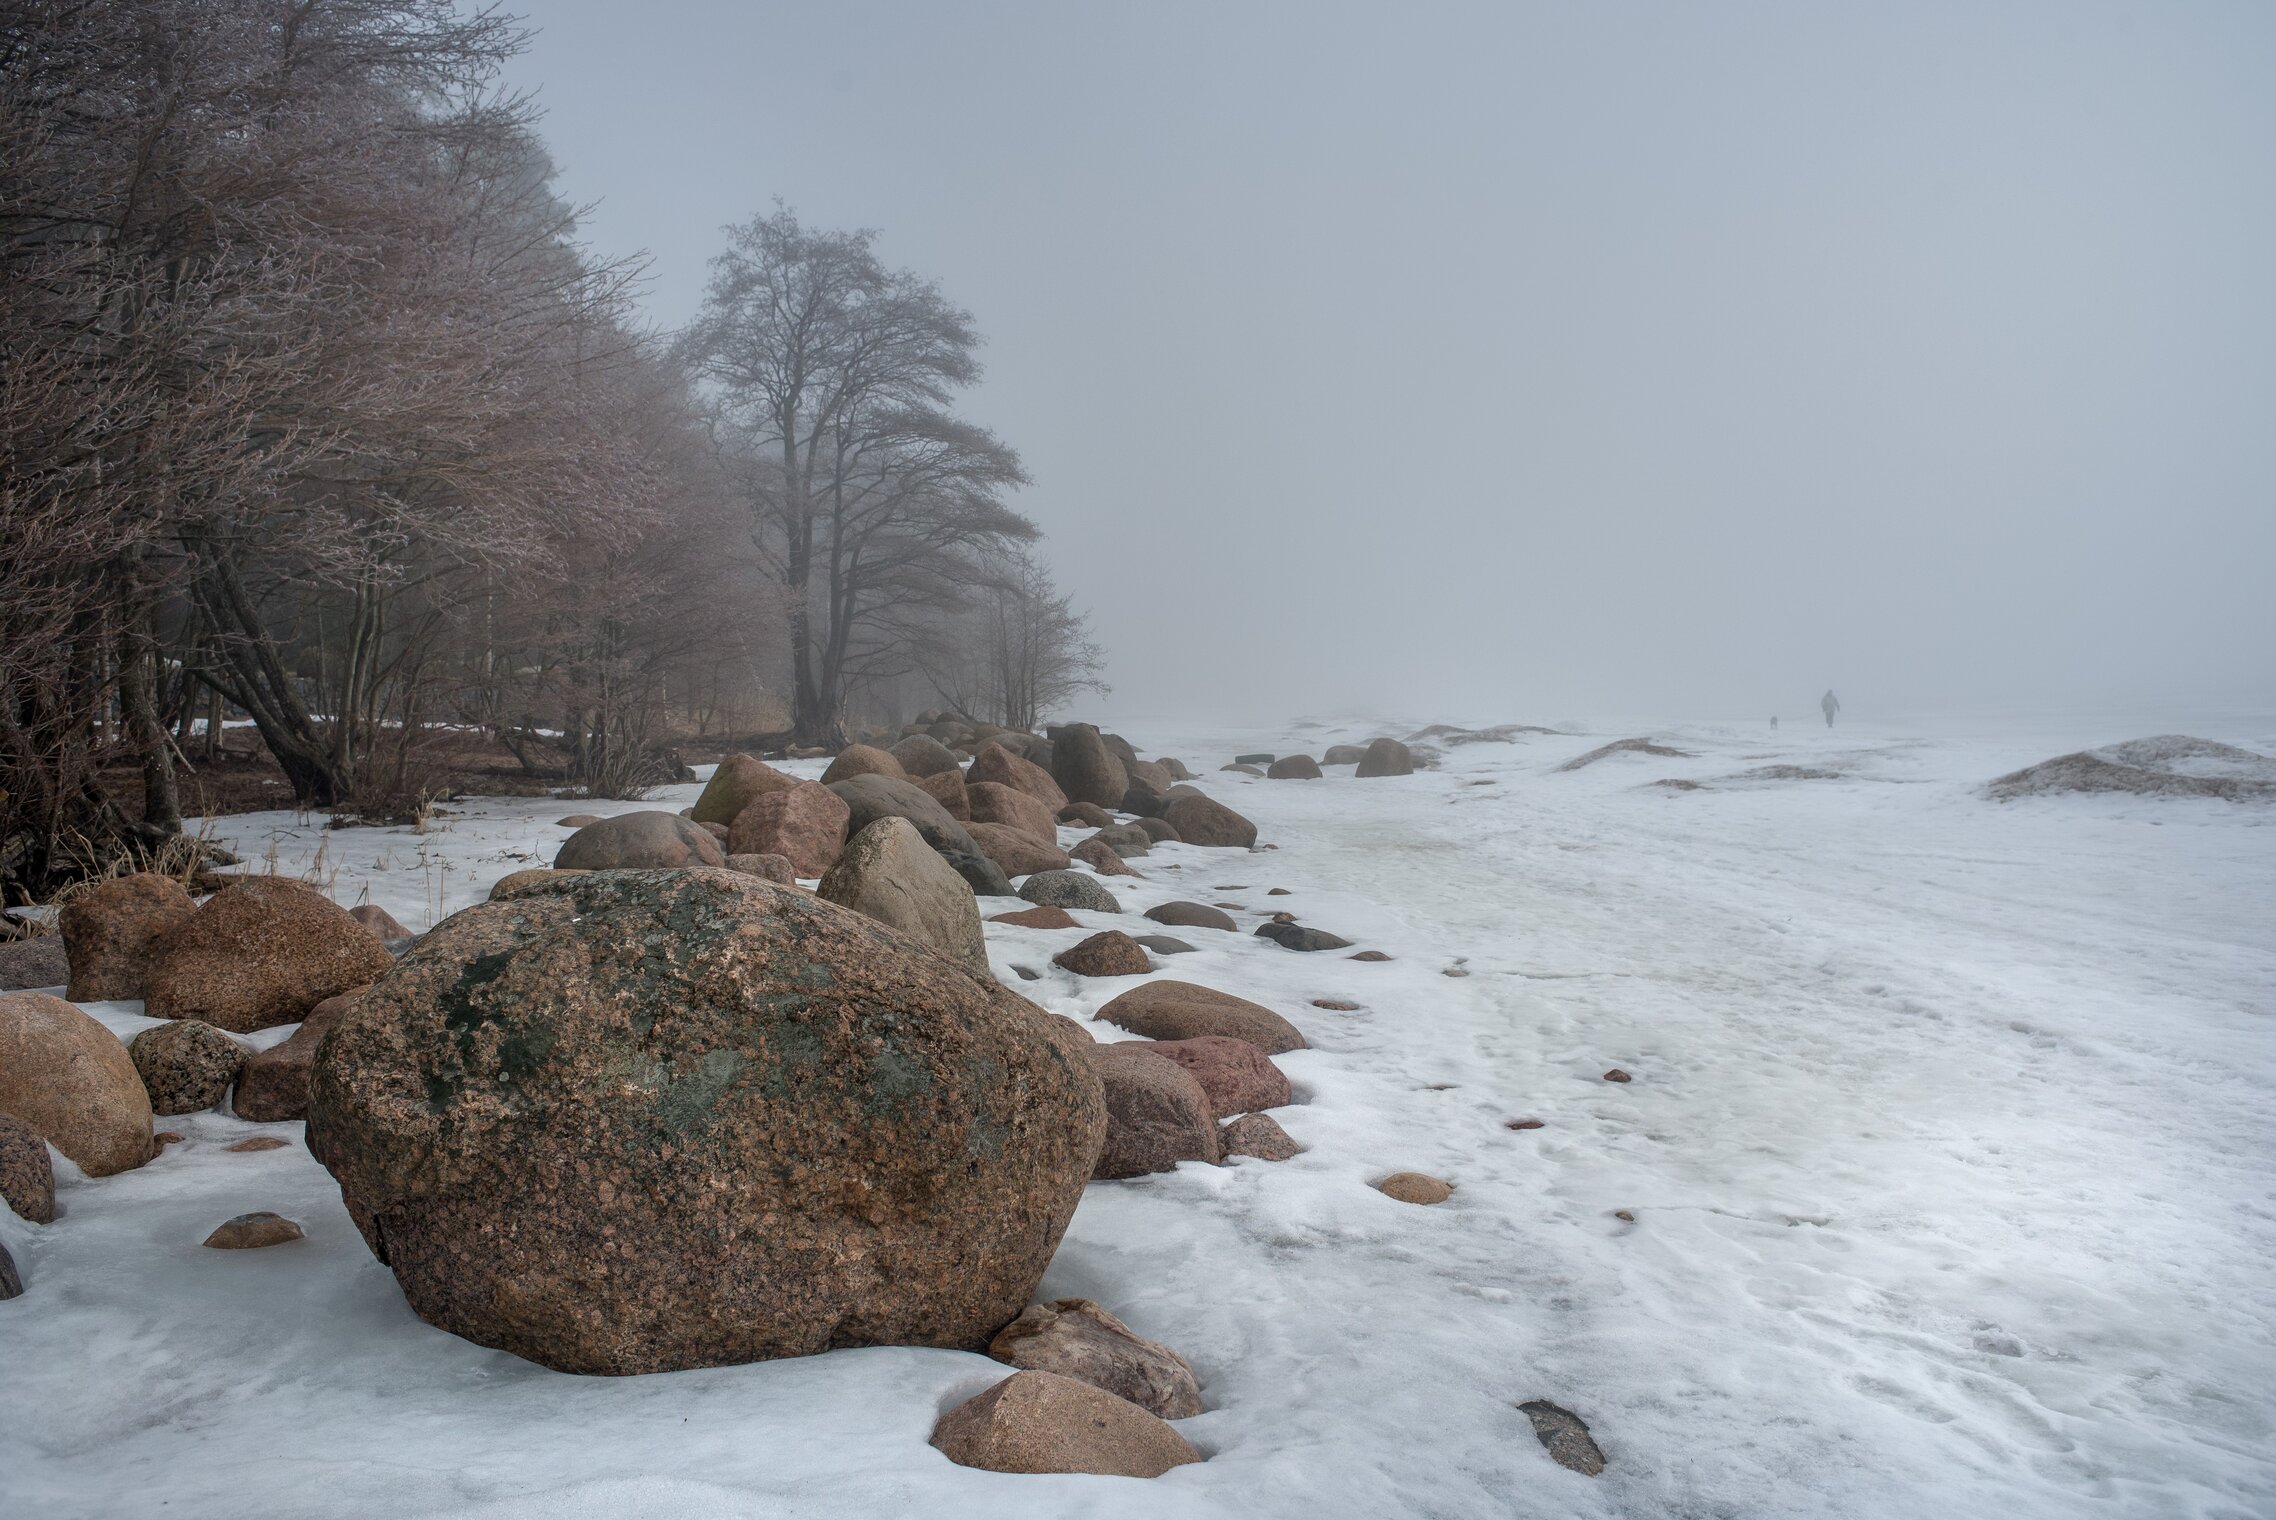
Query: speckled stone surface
(1204,820)
(1156,1113)
(638,1121)
(1041,1422)
(1238,1077)
(70,1079)
(27,1173)
(257,954)
(1110,952)
(805,822)
(186,1066)
(1076,1338)
(110,930)
(1258,1135)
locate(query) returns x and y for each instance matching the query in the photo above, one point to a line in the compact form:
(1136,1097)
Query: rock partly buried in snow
(862,760)
(1622,747)
(1239,769)
(185,1066)
(922,755)
(1087,815)
(1069,889)
(1259,757)
(1344,754)
(1566,1436)
(1238,1077)
(11,1280)
(250,1232)
(1415,1187)
(110,929)
(1258,1135)
(577,820)
(1191,915)
(1127,840)
(1040,1422)
(1158,830)
(1110,952)
(273,1084)
(1204,820)
(1015,851)
(1043,917)
(71,1080)
(1386,757)
(1298,937)
(1157,1113)
(263,952)
(869,798)
(643,841)
(765,867)
(739,781)
(1101,857)
(1173,1010)
(378,922)
(1294,768)
(804,822)
(652,1120)
(2170,765)
(1084,767)
(27,1175)
(38,962)
(995,802)
(1076,1338)
(1164,944)
(888,872)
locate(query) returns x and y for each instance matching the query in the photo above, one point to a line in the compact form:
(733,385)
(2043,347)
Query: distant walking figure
(1829,704)
(1774,723)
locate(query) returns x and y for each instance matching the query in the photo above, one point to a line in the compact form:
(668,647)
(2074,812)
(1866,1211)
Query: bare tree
(1016,650)
(831,376)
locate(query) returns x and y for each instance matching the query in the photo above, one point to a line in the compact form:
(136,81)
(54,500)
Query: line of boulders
(653,1108)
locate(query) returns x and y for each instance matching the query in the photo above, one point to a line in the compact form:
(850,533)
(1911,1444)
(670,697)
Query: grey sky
(1530,358)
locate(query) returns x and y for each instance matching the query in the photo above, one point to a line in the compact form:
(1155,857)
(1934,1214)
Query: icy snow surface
(1948,1148)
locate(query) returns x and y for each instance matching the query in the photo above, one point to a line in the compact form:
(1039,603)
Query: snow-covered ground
(1951,1149)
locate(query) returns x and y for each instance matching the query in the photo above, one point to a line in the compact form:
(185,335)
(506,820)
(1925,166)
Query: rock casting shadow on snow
(1639,746)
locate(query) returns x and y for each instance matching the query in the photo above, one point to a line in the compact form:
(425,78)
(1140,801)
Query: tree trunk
(138,708)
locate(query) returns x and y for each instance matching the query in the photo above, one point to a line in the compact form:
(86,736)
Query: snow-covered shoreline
(1949,1150)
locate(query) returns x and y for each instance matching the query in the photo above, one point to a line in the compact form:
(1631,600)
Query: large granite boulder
(643,841)
(108,932)
(1204,820)
(739,781)
(186,1067)
(1172,1010)
(1157,1113)
(1386,757)
(997,764)
(1294,768)
(654,1120)
(921,755)
(1015,851)
(804,822)
(1344,754)
(260,952)
(1084,767)
(862,760)
(888,872)
(869,798)
(71,1080)
(994,802)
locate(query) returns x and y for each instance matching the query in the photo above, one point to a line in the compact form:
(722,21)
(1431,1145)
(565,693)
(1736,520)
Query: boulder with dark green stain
(644,1120)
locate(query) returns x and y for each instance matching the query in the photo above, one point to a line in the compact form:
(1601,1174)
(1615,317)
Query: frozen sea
(1950,1150)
